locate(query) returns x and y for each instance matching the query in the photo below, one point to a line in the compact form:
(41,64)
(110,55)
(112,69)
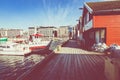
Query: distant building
(47,31)
(31,30)
(50,31)
(63,31)
(101,22)
(10,33)
(79,29)
(3,32)
(70,32)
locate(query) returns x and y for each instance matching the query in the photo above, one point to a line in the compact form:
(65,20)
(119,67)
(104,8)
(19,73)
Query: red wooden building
(101,22)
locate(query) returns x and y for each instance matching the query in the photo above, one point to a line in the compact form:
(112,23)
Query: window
(102,35)
(87,17)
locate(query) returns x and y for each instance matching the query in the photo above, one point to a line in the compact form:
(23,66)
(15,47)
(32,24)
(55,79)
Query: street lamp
(81,8)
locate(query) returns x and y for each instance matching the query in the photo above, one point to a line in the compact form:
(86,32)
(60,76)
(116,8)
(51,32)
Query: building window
(87,17)
(102,35)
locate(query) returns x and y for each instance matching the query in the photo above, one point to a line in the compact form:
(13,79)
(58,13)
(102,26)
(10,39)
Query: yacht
(10,48)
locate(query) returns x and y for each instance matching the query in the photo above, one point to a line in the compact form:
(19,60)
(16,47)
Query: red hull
(37,48)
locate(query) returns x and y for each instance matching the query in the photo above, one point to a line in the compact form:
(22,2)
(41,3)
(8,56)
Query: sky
(22,14)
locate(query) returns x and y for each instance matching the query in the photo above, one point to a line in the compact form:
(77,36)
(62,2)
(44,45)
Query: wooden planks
(70,67)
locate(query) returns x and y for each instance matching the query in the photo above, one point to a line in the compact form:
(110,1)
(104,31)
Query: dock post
(58,47)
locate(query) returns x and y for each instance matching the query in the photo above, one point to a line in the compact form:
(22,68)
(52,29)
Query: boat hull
(40,49)
(37,47)
(15,53)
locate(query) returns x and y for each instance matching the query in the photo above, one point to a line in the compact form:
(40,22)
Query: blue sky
(26,13)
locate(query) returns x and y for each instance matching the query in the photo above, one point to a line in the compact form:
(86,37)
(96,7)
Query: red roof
(105,6)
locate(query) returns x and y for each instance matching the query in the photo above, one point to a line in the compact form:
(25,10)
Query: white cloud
(57,15)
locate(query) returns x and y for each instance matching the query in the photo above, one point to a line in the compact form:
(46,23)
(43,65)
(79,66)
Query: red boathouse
(101,22)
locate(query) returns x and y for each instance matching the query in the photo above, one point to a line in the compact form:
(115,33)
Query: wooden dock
(70,63)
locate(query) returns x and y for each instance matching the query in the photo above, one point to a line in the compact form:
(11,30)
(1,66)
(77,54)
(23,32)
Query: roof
(105,6)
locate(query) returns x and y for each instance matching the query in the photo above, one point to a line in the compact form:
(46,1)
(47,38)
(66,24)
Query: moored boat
(10,48)
(38,43)
(35,44)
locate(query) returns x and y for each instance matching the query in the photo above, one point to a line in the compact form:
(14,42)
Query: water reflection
(12,67)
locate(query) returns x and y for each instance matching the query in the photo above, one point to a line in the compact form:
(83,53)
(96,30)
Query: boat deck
(70,63)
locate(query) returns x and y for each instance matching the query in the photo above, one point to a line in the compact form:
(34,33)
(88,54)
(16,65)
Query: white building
(63,31)
(10,33)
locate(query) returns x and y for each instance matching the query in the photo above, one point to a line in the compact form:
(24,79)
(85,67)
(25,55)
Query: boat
(11,48)
(35,44)
(38,43)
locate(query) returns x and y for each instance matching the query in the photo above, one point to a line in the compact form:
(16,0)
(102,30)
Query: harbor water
(11,67)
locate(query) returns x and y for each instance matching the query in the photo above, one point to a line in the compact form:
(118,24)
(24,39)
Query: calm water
(11,67)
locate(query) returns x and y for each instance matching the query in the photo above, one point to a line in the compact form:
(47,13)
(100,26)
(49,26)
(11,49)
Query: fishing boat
(11,48)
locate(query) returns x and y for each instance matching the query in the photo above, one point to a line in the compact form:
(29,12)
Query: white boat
(10,48)
(34,44)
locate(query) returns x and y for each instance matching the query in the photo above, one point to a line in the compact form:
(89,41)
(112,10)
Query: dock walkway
(71,63)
